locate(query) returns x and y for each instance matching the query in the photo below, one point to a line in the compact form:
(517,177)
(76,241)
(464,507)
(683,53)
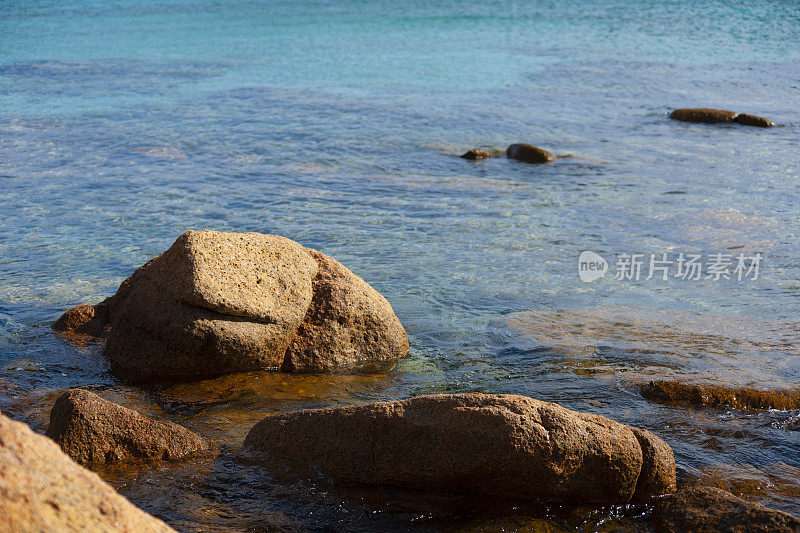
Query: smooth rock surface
(708,509)
(753,120)
(92,430)
(529,154)
(41,489)
(503,445)
(704,115)
(218,302)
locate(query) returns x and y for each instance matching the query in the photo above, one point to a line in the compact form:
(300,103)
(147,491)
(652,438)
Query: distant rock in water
(715,116)
(708,116)
(752,120)
(672,392)
(712,509)
(529,154)
(92,430)
(219,302)
(41,489)
(480,153)
(84,319)
(501,445)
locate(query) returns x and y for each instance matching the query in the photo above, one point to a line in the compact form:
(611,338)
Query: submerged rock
(92,430)
(41,489)
(672,392)
(712,509)
(85,319)
(503,445)
(752,120)
(708,116)
(219,302)
(477,153)
(529,154)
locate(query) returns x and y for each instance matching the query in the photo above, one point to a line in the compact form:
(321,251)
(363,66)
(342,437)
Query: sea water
(337,124)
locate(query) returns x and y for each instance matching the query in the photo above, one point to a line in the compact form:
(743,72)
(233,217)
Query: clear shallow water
(336,124)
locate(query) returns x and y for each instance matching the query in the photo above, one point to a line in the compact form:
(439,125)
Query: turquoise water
(124,123)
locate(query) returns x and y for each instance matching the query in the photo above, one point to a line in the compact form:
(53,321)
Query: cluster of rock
(41,489)
(527,153)
(216,302)
(716,116)
(223,302)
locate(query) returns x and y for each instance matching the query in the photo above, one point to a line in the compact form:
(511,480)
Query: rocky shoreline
(217,303)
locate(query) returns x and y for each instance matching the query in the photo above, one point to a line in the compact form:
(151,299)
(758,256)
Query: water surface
(122,124)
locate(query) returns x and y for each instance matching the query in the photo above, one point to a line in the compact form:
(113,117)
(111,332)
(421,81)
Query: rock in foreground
(92,430)
(218,302)
(529,154)
(676,393)
(41,489)
(503,445)
(712,509)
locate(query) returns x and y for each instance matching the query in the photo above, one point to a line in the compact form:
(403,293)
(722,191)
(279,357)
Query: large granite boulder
(711,509)
(504,445)
(41,489)
(220,302)
(92,430)
(529,154)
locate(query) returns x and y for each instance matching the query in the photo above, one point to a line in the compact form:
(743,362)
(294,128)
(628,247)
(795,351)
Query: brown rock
(529,154)
(701,509)
(708,116)
(675,393)
(752,120)
(658,466)
(221,302)
(85,319)
(503,445)
(41,489)
(92,430)
(347,323)
(476,153)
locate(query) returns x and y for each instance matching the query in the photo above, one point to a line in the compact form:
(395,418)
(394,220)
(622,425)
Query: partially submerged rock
(712,509)
(529,154)
(707,116)
(84,319)
(477,153)
(753,120)
(92,430)
(715,116)
(676,393)
(41,489)
(503,445)
(219,302)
